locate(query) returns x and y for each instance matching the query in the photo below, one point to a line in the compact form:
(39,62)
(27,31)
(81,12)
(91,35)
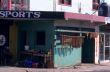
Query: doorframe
(104,60)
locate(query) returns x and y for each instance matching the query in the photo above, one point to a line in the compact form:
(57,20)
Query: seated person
(7,56)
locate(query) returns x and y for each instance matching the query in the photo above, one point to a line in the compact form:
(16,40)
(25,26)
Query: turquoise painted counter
(65,56)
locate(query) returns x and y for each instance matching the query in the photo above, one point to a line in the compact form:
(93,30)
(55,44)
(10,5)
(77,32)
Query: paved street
(94,68)
(82,68)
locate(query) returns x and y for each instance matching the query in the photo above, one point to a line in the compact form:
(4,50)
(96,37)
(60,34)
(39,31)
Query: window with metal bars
(96,4)
(20,4)
(65,2)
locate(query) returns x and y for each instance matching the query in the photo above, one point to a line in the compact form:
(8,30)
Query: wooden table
(46,57)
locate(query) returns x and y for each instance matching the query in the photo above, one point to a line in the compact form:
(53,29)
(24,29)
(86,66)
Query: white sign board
(107,20)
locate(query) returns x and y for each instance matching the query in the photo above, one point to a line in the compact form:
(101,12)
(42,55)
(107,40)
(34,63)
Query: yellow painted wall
(13,41)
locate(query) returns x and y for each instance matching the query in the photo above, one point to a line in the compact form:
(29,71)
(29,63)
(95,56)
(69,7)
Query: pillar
(97,45)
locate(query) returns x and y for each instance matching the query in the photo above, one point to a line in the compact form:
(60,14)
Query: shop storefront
(50,39)
(104,42)
(90,46)
(31,37)
(75,42)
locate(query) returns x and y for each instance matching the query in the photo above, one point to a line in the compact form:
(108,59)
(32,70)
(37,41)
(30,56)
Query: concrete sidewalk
(93,67)
(81,68)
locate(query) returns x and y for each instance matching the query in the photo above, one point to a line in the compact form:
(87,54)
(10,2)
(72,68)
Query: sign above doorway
(4,14)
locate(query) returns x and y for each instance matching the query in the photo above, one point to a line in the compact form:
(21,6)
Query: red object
(9,4)
(1,3)
(34,65)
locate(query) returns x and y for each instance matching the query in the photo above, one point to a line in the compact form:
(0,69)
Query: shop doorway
(4,42)
(104,47)
(88,48)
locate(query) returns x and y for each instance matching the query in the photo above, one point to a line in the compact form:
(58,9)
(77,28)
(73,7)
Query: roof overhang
(84,17)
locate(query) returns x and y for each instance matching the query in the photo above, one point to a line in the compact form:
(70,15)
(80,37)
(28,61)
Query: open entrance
(5,55)
(88,48)
(104,47)
(35,41)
